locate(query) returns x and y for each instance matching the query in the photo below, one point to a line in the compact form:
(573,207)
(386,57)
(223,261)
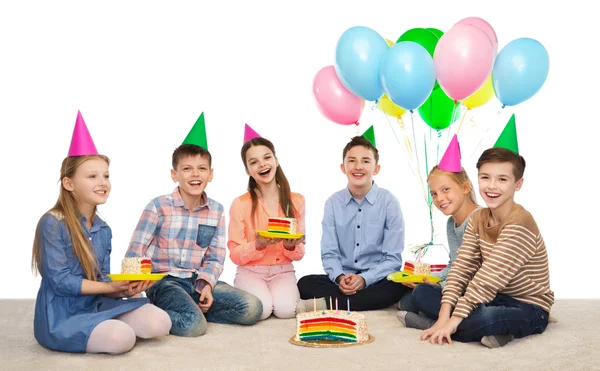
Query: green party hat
(197,135)
(369,135)
(508,138)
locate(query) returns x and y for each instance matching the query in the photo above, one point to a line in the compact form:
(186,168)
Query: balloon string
(461,121)
(412,121)
(428,194)
(408,147)
(489,125)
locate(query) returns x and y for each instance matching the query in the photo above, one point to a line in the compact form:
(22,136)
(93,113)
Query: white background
(141,72)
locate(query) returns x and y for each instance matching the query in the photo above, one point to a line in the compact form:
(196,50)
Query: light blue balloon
(357,58)
(520,70)
(407,74)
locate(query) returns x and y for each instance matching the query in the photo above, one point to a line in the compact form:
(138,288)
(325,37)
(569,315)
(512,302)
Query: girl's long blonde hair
(66,205)
(460,178)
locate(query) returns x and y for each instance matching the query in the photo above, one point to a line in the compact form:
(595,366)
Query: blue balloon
(357,58)
(407,74)
(520,70)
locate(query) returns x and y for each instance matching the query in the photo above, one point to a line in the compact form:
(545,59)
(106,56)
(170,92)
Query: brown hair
(186,150)
(461,178)
(360,141)
(66,205)
(503,155)
(285,196)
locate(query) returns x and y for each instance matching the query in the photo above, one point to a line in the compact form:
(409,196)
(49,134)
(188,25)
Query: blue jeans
(502,316)
(178,297)
(406,303)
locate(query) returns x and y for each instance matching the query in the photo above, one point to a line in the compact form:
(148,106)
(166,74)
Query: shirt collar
(178,200)
(96,224)
(371,196)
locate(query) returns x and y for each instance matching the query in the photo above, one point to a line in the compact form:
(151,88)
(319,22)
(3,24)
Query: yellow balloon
(481,96)
(390,108)
(390,43)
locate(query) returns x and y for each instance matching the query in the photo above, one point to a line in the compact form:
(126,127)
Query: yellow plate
(284,236)
(137,277)
(415,278)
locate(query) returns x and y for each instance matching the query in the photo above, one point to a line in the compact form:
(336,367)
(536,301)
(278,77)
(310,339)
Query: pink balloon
(484,26)
(463,60)
(336,102)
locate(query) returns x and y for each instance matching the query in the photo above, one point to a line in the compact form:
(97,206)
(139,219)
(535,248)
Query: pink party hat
(249,133)
(81,142)
(451,159)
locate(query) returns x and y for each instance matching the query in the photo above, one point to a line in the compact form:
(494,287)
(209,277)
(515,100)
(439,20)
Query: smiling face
(193,174)
(448,195)
(90,184)
(360,167)
(261,164)
(497,186)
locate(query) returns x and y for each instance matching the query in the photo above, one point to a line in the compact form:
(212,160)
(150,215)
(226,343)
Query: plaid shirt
(182,242)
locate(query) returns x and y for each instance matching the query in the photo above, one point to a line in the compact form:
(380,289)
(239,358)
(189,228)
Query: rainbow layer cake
(136,266)
(413,267)
(282,225)
(331,326)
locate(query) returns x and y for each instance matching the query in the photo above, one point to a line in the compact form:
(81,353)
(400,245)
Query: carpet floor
(572,343)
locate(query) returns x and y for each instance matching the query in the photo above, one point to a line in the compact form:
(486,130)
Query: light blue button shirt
(366,238)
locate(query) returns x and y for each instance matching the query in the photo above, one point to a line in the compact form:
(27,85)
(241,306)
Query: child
(453,194)
(183,233)
(363,238)
(78,308)
(265,264)
(499,285)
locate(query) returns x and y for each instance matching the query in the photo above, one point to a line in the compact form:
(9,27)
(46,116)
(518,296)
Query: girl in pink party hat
(78,308)
(265,262)
(453,194)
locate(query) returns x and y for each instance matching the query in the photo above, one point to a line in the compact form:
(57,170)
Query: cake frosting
(414,267)
(282,225)
(331,325)
(136,266)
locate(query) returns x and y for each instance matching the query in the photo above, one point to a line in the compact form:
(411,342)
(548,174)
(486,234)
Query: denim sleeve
(330,245)
(392,246)
(105,264)
(55,259)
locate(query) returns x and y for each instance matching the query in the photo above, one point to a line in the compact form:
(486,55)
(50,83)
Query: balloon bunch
(435,73)
(429,71)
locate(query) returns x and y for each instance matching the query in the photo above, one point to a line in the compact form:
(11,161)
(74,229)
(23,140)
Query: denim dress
(64,318)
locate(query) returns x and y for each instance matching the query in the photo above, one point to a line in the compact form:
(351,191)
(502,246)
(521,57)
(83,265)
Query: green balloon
(436,32)
(439,111)
(421,36)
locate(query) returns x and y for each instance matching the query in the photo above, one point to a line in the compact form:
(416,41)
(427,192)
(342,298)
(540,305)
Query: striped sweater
(509,258)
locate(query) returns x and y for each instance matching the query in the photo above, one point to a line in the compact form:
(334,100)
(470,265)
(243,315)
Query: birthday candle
(348,304)
(336,303)
(330,304)
(315,304)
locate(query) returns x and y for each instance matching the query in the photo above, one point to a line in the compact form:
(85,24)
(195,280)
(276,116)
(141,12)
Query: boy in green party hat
(363,238)
(508,293)
(183,233)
